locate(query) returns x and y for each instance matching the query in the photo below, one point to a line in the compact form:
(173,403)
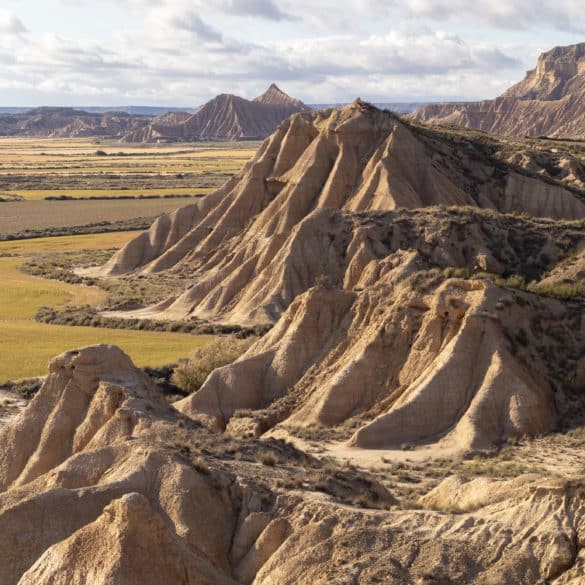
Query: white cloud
(10,24)
(185,51)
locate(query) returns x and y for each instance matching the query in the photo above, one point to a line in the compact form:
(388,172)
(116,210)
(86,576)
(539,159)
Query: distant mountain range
(69,123)
(225,117)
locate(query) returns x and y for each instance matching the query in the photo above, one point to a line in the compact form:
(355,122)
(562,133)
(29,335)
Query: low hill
(69,123)
(225,117)
(550,101)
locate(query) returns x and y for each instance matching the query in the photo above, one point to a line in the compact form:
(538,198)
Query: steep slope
(69,123)
(251,247)
(130,492)
(548,102)
(274,96)
(406,358)
(225,117)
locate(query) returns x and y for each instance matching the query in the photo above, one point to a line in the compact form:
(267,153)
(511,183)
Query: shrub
(267,459)
(190,375)
(560,290)
(323,281)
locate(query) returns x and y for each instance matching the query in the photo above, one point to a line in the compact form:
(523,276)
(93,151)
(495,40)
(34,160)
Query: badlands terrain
(548,102)
(414,414)
(225,117)
(409,404)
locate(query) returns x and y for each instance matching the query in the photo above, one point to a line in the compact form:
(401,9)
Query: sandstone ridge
(548,102)
(247,250)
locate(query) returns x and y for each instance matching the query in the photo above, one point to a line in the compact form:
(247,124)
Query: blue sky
(183,52)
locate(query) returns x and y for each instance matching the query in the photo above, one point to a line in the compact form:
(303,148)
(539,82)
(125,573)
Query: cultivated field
(39,168)
(26,346)
(118,183)
(39,215)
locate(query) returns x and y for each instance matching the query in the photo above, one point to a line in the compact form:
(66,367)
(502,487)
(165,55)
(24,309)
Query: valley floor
(26,345)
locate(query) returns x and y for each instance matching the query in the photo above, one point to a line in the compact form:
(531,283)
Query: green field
(26,346)
(40,194)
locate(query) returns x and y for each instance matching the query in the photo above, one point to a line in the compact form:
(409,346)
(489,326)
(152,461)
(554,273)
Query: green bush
(560,290)
(190,375)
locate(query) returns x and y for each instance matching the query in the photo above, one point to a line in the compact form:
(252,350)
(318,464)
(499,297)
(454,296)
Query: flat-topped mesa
(549,101)
(558,73)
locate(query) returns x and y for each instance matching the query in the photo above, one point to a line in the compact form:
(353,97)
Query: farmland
(70,183)
(34,169)
(26,346)
(39,215)
(53,187)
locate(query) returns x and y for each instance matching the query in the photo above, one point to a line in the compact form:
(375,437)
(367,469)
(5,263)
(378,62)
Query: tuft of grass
(267,459)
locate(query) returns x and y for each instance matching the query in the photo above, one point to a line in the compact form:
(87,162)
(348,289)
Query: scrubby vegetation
(190,374)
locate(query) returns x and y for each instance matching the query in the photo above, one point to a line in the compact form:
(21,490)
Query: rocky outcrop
(548,102)
(225,117)
(125,502)
(461,363)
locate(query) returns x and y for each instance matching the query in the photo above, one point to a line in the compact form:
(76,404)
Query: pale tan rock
(247,250)
(128,509)
(128,543)
(548,102)
(417,367)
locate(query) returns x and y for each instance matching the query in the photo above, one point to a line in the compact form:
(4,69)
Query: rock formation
(401,269)
(402,361)
(225,117)
(371,334)
(262,239)
(548,102)
(118,490)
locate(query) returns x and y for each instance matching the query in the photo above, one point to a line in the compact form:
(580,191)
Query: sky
(184,52)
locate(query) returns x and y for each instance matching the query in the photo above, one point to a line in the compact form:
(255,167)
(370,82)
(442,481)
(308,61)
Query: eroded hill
(392,325)
(225,117)
(548,102)
(102,481)
(426,299)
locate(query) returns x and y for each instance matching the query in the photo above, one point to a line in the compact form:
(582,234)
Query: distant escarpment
(225,117)
(550,101)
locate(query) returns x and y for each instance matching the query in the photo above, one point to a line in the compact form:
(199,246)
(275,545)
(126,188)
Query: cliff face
(549,101)
(225,117)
